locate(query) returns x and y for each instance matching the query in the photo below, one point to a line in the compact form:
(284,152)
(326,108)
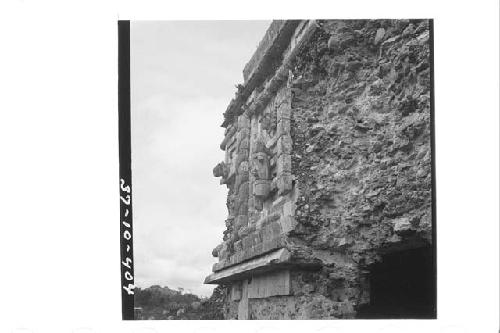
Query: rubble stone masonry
(328,167)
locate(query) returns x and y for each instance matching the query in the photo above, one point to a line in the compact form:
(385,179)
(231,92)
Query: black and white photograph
(250,167)
(282,169)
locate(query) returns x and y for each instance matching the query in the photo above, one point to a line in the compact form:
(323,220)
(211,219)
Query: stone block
(402,225)
(248,253)
(243,309)
(266,234)
(233,259)
(243,191)
(277,31)
(255,236)
(236,291)
(251,203)
(283,127)
(242,134)
(244,144)
(247,242)
(244,231)
(223,254)
(270,284)
(243,208)
(257,248)
(245,269)
(284,145)
(284,111)
(239,257)
(275,228)
(243,170)
(237,182)
(276,208)
(258,204)
(240,221)
(261,188)
(288,208)
(273,244)
(217,249)
(272,230)
(274,185)
(243,122)
(288,223)
(271,217)
(232,171)
(379,36)
(271,142)
(272,161)
(284,183)
(262,233)
(242,156)
(284,164)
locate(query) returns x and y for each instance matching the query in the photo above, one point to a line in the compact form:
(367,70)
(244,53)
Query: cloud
(183,76)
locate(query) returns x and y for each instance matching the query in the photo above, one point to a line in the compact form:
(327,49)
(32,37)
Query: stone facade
(328,166)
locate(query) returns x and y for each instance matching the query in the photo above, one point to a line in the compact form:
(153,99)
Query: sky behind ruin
(183,75)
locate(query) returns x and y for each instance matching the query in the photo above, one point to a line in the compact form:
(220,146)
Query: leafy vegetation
(158,302)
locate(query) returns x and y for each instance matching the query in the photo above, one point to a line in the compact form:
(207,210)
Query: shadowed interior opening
(403,285)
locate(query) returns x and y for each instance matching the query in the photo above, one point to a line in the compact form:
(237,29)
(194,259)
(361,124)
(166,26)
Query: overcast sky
(183,75)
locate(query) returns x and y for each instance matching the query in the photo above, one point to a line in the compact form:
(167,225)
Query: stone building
(328,166)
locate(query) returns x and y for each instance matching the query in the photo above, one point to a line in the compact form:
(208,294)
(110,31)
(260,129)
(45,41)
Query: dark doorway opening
(403,285)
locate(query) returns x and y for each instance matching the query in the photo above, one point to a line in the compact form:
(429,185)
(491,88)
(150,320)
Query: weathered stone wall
(328,166)
(361,135)
(361,147)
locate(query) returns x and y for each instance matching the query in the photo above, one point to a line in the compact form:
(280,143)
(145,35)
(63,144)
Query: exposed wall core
(328,169)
